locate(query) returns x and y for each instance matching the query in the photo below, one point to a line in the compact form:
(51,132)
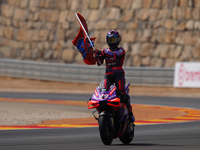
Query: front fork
(95,115)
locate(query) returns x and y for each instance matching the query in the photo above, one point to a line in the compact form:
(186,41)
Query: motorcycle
(113,114)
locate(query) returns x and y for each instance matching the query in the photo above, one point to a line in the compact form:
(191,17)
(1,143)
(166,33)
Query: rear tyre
(105,131)
(128,134)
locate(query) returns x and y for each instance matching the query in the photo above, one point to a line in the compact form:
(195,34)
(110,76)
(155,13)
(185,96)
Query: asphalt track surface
(163,136)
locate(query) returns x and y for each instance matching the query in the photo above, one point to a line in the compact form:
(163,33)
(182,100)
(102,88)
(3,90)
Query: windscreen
(101,85)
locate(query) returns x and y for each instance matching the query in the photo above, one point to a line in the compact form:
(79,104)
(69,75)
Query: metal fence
(144,76)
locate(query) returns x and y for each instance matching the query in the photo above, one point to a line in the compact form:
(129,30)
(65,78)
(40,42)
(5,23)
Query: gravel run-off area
(13,113)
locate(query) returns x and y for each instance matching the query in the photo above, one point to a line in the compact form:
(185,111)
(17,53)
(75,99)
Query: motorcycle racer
(114,58)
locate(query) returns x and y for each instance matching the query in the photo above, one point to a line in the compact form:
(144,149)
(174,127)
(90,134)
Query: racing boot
(131,116)
(126,100)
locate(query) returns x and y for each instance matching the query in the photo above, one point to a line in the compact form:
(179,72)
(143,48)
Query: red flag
(82,43)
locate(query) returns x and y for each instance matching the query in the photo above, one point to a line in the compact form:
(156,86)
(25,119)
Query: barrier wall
(156,33)
(143,76)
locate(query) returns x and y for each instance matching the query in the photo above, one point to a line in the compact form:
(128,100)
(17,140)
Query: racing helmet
(113,39)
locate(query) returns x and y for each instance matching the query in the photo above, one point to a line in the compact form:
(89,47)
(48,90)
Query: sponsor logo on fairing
(96,92)
(112,96)
(112,90)
(103,96)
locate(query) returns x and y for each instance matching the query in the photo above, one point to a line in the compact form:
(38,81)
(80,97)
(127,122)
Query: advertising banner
(187,74)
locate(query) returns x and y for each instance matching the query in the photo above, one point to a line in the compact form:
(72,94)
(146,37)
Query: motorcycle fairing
(103,95)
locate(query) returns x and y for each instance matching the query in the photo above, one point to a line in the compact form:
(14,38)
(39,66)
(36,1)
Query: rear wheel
(105,131)
(128,134)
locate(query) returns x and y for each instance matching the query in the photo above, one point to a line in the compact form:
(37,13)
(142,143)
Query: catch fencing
(142,76)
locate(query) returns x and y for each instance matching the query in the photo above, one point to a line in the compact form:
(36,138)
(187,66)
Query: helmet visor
(112,40)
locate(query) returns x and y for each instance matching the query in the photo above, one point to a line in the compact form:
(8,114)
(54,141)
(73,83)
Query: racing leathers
(114,72)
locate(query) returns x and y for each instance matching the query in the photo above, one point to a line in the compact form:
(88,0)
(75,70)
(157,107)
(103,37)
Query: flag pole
(84,31)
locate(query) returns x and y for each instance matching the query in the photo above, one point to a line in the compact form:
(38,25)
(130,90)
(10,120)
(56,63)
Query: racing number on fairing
(103,96)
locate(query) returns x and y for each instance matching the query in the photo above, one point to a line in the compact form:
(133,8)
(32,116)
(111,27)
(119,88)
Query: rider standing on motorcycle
(114,57)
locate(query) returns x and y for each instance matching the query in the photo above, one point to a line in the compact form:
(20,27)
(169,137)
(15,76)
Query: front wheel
(128,134)
(105,131)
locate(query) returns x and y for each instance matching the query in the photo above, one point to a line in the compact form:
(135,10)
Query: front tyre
(128,135)
(105,131)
